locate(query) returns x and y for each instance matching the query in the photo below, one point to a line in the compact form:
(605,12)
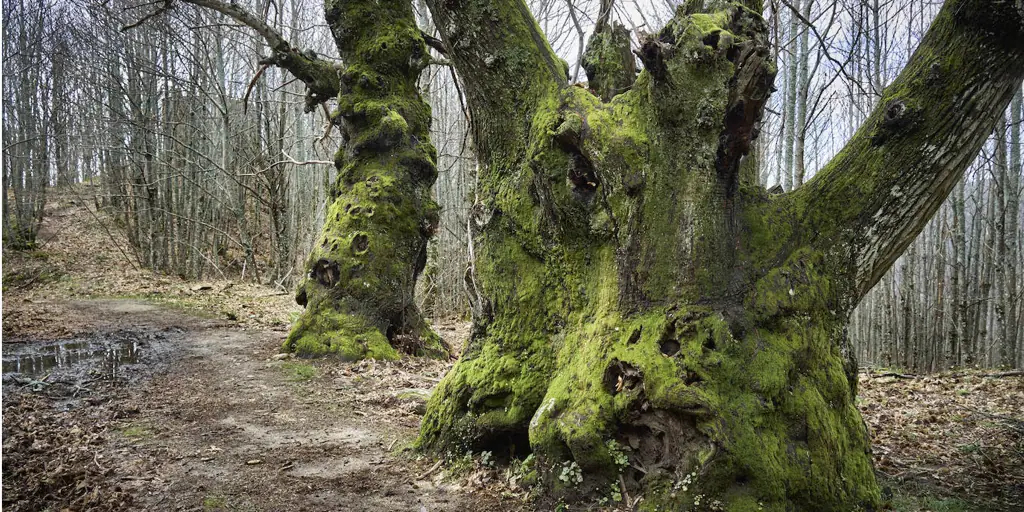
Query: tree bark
(608,61)
(359,294)
(644,301)
(361,275)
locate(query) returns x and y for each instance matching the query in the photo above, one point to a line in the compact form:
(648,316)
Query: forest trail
(209,395)
(212,419)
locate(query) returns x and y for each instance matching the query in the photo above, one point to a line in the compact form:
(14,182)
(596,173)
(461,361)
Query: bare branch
(293,161)
(824,46)
(160,10)
(878,193)
(320,77)
(248,90)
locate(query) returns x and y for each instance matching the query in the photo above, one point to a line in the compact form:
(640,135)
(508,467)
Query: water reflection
(32,359)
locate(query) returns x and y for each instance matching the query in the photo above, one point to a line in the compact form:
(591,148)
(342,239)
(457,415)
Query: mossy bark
(360,285)
(647,312)
(608,59)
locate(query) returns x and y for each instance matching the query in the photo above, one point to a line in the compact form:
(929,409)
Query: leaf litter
(188,437)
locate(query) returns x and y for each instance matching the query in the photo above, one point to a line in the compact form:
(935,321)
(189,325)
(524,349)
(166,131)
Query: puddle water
(103,357)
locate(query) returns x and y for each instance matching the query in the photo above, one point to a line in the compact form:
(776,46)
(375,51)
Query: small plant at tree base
(616,493)
(487,459)
(618,454)
(684,484)
(571,474)
(522,473)
(457,467)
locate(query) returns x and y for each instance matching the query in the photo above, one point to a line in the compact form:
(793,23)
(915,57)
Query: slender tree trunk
(803,87)
(1011,276)
(792,85)
(959,284)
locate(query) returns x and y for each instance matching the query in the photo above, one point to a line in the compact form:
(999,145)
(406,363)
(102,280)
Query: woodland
(513,255)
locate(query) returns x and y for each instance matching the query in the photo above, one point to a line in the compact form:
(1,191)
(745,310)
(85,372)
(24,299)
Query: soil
(216,420)
(207,415)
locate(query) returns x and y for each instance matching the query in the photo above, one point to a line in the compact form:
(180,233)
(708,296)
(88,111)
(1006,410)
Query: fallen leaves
(51,458)
(962,432)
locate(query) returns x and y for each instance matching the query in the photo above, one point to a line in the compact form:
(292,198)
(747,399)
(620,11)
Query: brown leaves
(49,457)
(81,255)
(963,433)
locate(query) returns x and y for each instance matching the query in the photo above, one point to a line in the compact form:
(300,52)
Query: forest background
(209,163)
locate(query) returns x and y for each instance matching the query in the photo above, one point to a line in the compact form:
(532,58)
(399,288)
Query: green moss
(608,61)
(137,432)
(346,335)
(215,503)
(641,312)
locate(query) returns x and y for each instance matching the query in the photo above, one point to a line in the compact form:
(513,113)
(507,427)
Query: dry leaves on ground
(961,432)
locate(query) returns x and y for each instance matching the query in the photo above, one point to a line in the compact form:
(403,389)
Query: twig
(248,90)
(96,461)
(1014,373)
(824,46)
(625,493)
(329,127)
(893,374)
(160,10)
(280,284)
(1012,422)
(293,161)
(431,470)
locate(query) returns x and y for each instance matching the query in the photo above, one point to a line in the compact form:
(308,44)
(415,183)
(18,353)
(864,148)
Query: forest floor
(182,402)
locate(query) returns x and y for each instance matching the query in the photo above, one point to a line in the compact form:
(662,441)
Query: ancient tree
(645,314)
(638,294)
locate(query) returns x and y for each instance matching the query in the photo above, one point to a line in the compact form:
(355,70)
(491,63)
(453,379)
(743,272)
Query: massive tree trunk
(647,313)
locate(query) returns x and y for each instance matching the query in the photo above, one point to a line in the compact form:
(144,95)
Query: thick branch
(434,43)
(320,77)
(875,197)
(506,63)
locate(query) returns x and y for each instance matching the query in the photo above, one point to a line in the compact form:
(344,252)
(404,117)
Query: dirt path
(178,430)
(220,424)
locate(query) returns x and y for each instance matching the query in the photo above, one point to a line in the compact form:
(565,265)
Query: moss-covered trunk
(648,315)
(359,290)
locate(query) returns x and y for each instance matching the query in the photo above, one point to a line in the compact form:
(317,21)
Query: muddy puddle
(104,356)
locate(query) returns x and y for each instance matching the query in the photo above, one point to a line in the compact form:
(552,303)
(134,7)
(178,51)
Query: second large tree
(647,315)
